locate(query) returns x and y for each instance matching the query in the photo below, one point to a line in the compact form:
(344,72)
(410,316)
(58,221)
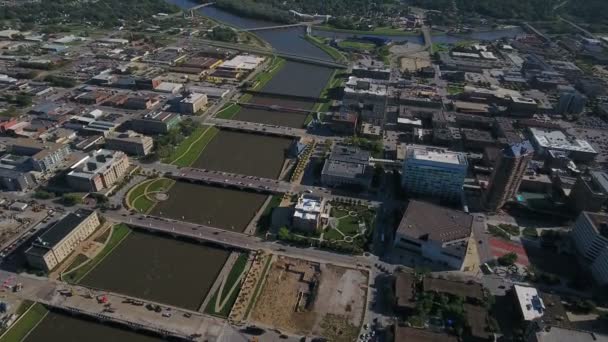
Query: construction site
(309,298)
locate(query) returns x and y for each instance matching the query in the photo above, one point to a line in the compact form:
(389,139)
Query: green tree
(284,233)
(42,194)
(71,199)
(23,100)
(508,259)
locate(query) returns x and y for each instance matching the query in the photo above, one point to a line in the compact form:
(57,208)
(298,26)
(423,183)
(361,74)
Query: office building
(508,174)
(570,101)
(14,173)
(130,143)
(311,213)
(192,103)
(550,139)
(347,166)
(44,157)
(155,123)
(99,170)
(434,232)
(59,241)
(434,172)
(366,96)
(590,192)
(590,236)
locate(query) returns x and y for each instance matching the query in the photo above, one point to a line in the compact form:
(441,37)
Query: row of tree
(105,13)
(256,10)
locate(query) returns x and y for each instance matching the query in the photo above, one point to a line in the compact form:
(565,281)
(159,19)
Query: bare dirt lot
(308,298)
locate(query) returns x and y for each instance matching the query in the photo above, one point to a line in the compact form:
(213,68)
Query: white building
(434,232)
(590,235)
(434,172)
(531,305)
(242,63)
(311,213)
(193,103)
(546,139)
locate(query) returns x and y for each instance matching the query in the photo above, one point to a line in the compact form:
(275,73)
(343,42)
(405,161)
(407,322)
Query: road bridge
(251,127)
(285,96)
(201,6)
(276,27)
(276,108)
(269,52)
(123,310)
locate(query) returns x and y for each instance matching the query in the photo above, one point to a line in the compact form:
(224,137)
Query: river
(290,40)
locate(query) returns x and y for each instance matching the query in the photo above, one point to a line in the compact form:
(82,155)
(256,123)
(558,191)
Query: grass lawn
(264,77)
(264,221)
(357,45)
(228,111)
(235,272)
(332,234)
(439,47)
(143,204)
(331,51)
(25,324)
(119,233)
(349,225)
(388,31)
(191,148)
(455,90)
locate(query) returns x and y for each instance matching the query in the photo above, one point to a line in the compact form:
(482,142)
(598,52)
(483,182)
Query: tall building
(367,97)
(507,175)
(434,172)
(590,235)
(97,171)
(590,192)
(59,241)
(347,165)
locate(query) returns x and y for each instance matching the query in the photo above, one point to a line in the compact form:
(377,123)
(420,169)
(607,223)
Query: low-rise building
(434,172)
(14,173)
(130,143)
(99,170)
(590,235)
(311,213)
(44,157)
(547,139)
(192,103)
(59,241)
(155,123)
(434,232)
(347,165)
(528,300)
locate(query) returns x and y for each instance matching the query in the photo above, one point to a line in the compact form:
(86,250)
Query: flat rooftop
(423,220)
(434,154)
(57,232)
(556,139)
(530,302)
